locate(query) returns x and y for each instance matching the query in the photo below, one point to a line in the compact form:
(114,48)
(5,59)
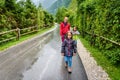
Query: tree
(61,13)
(40,15)
(10,5)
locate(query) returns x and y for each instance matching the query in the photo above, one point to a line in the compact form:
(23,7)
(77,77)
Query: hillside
(47,3)
(57,4)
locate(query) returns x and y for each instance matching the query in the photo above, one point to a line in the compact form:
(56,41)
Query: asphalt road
(42,61)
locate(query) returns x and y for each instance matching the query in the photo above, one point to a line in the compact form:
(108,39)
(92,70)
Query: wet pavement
(43,61)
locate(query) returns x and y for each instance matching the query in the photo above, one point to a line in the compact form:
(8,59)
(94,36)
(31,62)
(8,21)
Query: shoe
(69,70)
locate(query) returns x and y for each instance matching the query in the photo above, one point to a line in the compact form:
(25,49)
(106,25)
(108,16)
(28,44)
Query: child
(68,50)
(75,33)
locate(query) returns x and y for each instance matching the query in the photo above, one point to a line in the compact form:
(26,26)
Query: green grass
(6,45)
(112,70)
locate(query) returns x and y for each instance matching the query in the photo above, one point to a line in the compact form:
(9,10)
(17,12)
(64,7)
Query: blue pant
(68,60)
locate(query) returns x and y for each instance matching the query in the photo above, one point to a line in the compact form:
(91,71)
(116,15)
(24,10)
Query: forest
(22,14)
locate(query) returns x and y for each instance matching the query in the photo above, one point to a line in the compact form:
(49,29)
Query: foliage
(102,17)
(69,12)
(59,15)
(22,14)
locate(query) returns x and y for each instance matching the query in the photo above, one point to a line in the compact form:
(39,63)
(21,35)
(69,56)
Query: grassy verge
(6,45)
(112,70)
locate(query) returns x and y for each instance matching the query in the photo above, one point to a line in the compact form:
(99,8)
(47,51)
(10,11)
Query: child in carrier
(75,34)
(68,50)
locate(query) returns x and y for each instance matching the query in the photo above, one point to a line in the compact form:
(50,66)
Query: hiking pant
(68,60)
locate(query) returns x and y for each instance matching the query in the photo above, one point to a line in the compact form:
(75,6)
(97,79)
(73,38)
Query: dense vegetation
(22,14)
(98,22)
(70,12)
(101,17)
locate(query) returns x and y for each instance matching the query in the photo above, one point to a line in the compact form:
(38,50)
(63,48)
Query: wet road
(41,63)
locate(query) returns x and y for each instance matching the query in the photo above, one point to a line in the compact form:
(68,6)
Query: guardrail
(18,33)
(104,38)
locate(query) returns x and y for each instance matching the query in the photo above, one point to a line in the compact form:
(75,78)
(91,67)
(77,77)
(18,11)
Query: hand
(62,54)
(74,54)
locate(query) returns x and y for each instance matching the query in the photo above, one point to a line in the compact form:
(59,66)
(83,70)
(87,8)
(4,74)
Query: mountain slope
(57,4)
(47,3)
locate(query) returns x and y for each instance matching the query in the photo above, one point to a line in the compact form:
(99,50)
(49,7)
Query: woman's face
(69,35)
(66,19)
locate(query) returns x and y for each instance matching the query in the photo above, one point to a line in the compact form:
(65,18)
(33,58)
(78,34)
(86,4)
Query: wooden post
(18,33)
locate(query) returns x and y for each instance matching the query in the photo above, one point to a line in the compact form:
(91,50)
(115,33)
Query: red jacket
(64,28)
